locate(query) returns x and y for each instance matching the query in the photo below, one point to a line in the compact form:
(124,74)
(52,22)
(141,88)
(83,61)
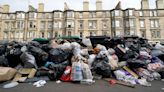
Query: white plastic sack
(76,48)
(102,54)
(159,46)
(111,51)
(66,46)
(24,49)
(91,59)
(86,71)
(101,47)
(76,74)
(87,42)
(84,52)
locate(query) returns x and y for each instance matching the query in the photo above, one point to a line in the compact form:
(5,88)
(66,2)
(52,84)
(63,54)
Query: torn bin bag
(13,57)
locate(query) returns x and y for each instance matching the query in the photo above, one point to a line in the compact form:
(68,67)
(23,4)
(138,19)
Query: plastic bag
(102,67)
(2,49)
(3,61)
(57,70)
(40,55)
(13,57)
(66,46)
(58,55)
(76,74)
(67,74)
(84,52)
(91,60)
(159,46)
(76,48)
(87,42)
(86,71)
(101,47)
(28,60)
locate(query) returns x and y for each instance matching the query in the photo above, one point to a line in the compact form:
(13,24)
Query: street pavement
(98,86)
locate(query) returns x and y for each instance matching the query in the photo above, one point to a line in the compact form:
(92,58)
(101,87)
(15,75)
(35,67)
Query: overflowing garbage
(123,60)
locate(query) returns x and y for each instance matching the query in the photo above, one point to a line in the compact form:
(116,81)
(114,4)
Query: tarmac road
(99,86)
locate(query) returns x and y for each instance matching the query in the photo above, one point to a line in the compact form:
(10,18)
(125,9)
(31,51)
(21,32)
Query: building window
(49,35)
(32,15)
(49,25)
(30,34)
(154,23)
(70,24)
(7,25)
(49,15)
(131,22)
(92,14)
(56,14)
(143,33)
(117,23)
(42,25)
(142,23)
(117,12)
(80,15)
(70,14)
(20,15)
(118,33)
(80,24)
(32,24)
(56,25)
(140,13)
(126,13)
(20,24)
(5,35)
(13,25)
(155,34)
(130,12)
(153,13)
(92,24)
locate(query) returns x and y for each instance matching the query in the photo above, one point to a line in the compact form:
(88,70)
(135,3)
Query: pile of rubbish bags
(129,60)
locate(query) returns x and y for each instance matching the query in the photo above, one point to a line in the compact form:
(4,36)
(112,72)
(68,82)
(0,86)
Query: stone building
(36,23)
